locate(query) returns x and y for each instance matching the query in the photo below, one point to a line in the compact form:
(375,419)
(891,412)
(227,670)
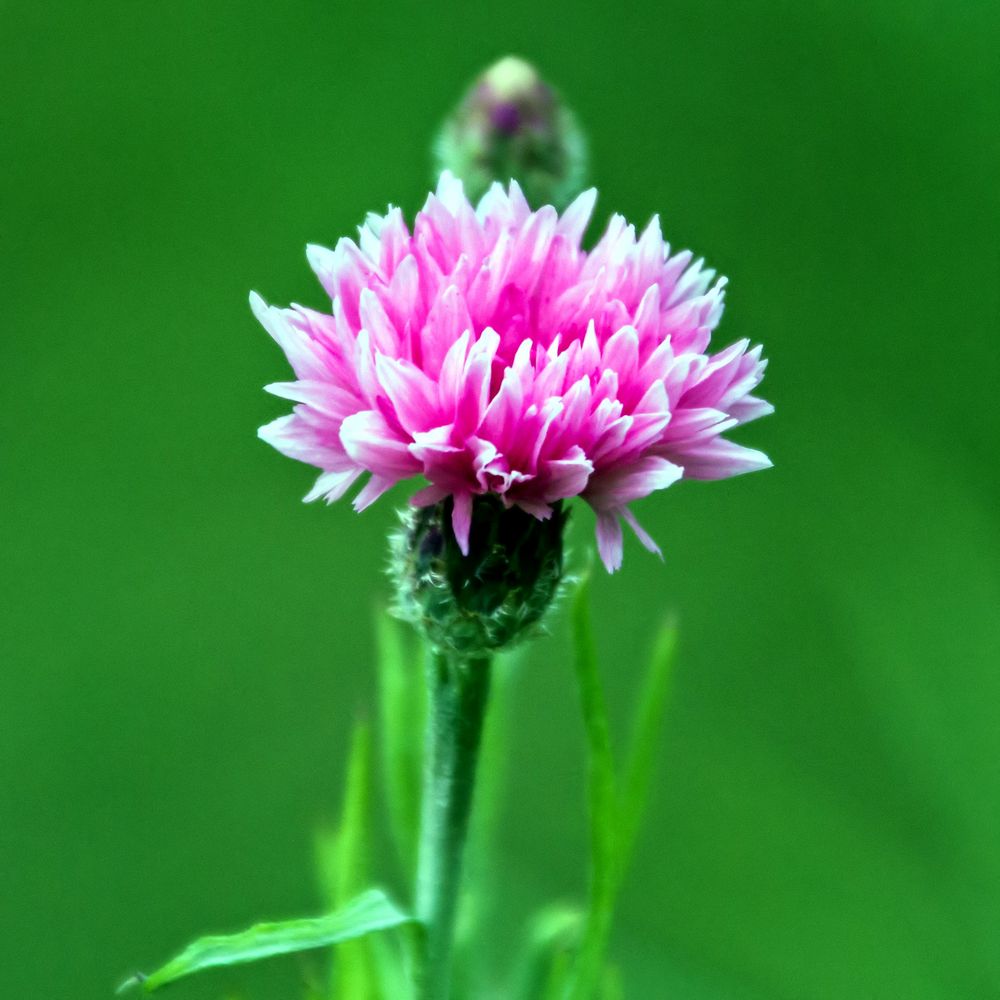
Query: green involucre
(472,605)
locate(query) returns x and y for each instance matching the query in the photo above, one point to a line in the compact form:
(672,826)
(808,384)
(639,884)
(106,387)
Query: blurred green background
(184,645)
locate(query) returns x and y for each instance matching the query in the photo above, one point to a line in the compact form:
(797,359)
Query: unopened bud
(511,125)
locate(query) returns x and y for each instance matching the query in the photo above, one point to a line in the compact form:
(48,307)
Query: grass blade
(402,708)
(353,971)
(646,730)
(371,911)
(353,839)
(602,801)
(612,987)
(477,955)
(553,935)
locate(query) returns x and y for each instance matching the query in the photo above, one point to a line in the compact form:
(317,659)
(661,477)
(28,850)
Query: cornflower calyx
(475,604)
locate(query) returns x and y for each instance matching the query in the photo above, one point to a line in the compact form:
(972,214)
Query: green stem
(458,695)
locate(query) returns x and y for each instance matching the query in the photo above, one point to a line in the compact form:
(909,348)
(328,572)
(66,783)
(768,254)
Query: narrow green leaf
(354,833)
(612,987)
(327,871)
(371,911)
(394,980)
(492,768)
(354,968)
(646,729)
(402,709)
(553,935)
(477,957)
(374,966)
(559,979)
(602,801)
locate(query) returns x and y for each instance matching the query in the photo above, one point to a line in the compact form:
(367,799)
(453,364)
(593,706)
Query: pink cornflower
(487,352)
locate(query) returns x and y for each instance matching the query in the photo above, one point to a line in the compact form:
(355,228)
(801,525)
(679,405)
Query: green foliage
(354,975)
(564,955)
(543,968)
(374,967)
(369,912)
(477,966)
(615,805)
(647,726)
(612,987)
(602,800)
(402,711)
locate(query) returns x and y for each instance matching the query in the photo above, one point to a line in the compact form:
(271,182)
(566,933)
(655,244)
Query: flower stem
(459,689)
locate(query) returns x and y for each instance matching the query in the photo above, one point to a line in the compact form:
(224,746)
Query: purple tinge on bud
(506,117)
(511,125)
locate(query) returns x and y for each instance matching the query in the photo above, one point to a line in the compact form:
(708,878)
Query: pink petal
(371,442)
(475,392)
(720,459)
(373,489)
(332,485)
(750,408)
(447,320)
(609,540)
(302,437)
(566,477)
(461,520)
(412,393)
(330,400)
(641,532)
(616,487)
(692,423)
(376,321)
(305,356)
(576,218)
(538,510)
(427,496)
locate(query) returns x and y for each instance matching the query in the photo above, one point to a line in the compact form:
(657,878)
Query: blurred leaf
(645,740)
(371,911)
(553,934)
(326,866)
(373,966)
(402,708)
(559,977)
(391,967)
(353,971)
(612,987)
(476,953)
(602,800)
(354,833)
(494,755)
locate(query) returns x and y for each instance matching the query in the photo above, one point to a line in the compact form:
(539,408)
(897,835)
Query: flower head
(486,351)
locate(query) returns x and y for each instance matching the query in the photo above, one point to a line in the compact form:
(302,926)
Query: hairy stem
(458,694)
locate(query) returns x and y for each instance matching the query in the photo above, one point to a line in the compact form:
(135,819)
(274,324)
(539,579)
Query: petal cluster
(487,352)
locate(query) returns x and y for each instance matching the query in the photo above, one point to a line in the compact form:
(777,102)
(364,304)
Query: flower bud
(475,604)
(511,125)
